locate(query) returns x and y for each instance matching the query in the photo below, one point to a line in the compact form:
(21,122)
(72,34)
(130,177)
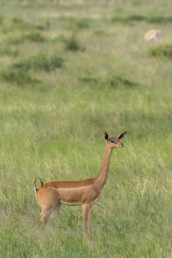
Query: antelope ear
(121,136)
(106,136)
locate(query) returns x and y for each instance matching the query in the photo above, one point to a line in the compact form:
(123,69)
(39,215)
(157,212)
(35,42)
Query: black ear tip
(122,135)
(106,135)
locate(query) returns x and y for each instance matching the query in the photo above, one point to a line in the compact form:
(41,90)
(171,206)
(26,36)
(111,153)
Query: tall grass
(9,51)
(58,133)
(162,51)
(31,36)
(73,44)
(141,18)
(112,81)
(40,62)
(12,23)
(17,76)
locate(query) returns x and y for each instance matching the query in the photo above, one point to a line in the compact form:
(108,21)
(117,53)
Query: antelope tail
(34,184)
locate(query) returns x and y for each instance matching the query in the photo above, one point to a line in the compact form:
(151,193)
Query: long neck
(102,177)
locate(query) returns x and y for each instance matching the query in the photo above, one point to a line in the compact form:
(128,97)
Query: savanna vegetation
(68,72)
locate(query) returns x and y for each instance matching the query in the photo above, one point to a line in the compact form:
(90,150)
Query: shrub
(73,45)
(9,52)
(159,19)
(32,36)
(83,23)
(90,79)
(112,81)
(162,51)
(40,62)
(15,40)
(137,18)
(15,23)
(17,76)
(35,37)
(127,19)
(117,81)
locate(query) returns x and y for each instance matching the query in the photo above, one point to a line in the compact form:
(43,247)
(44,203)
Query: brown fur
(85,192)
(153,35)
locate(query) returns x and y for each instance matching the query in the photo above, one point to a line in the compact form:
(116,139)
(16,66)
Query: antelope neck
(102,177)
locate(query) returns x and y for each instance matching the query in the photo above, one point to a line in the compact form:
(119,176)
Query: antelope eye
(113,141)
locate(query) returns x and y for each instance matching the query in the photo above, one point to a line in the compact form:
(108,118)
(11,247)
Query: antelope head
(114,142)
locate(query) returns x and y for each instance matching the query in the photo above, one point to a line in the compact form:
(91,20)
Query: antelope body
(85,192)
(153,35)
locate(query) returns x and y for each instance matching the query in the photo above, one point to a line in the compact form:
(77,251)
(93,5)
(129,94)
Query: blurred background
(69,71)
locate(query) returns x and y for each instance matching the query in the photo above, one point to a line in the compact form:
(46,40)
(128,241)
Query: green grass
(40,62)
(141,18)
(11,23)
(9,52)
(72,44)
(31,36)
(56,101)
(112,81)
(163,51)
(17,76)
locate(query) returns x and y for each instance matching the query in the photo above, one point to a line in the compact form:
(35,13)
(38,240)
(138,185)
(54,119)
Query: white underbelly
(70,203)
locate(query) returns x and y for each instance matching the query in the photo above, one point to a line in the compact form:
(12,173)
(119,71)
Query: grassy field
(68,72)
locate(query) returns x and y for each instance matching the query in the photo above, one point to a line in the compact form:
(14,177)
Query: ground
(68,73)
